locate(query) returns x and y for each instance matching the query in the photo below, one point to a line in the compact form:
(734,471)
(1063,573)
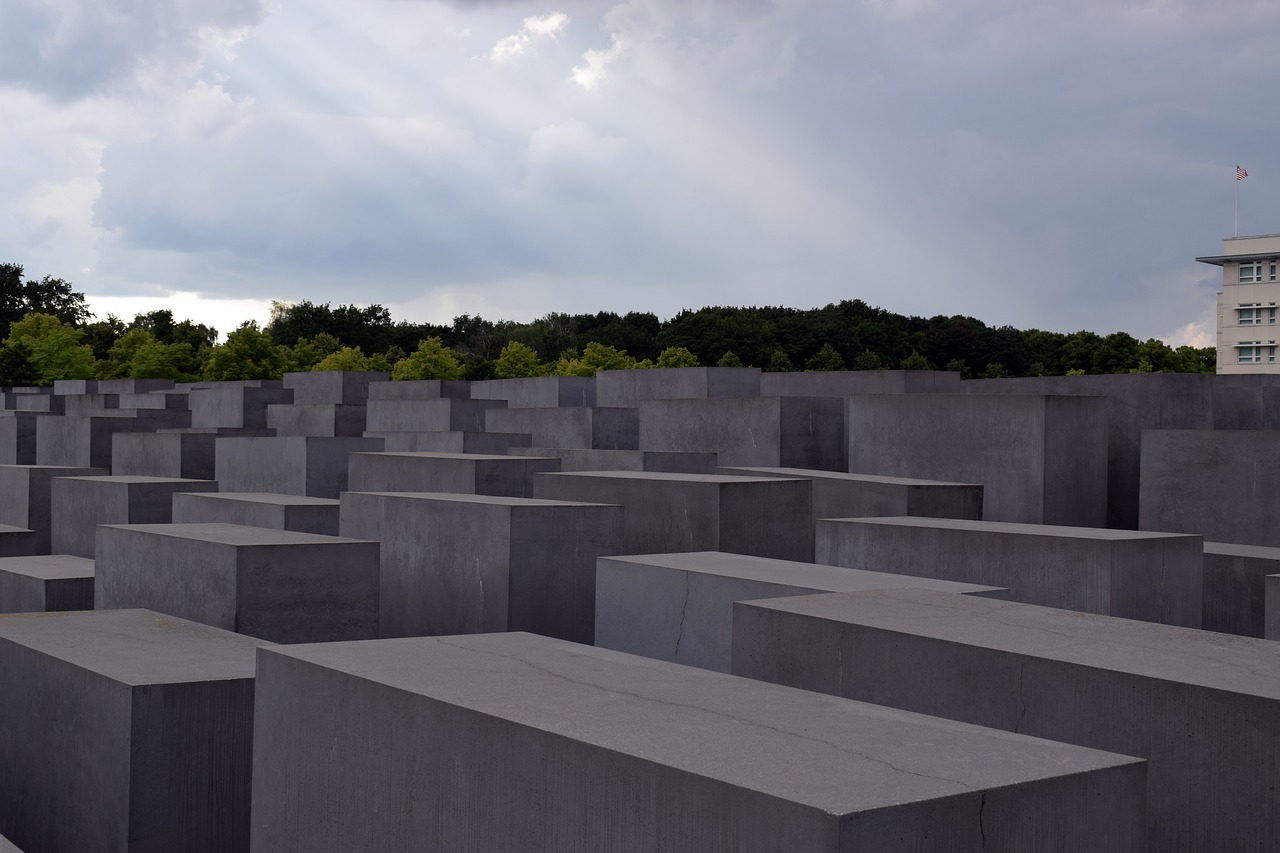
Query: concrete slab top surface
(720,479)
(9,528)
(842,475)
(838,755)
(135,646)
(475,457)
(136,479)
(49,567)
(769,570)
(491,500)
(233,534)
(1056,531)
(1226,662)
(1231,549)
(273,498)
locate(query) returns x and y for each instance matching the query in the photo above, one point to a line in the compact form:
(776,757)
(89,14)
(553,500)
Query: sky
(1037,164)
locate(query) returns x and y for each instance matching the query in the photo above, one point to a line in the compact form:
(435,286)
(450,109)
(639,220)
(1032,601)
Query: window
(1272,275)
(1250,316)
(1250,273)
(1255,354)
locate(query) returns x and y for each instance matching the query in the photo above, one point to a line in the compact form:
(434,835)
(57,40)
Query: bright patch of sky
(1038,164)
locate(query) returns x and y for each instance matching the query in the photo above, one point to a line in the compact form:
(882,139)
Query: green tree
(778,362)
(347,358)
(101,335)
(995,370)
(868,360)
(916,361)
(431,360)
(247,354)
(49,295)
(826,359)
(677,357)
(16,367)
(729,359)
(57,351)
(517,361)
(308,352)
(120,358)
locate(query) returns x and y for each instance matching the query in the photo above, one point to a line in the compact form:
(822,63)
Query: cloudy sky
(1040,164)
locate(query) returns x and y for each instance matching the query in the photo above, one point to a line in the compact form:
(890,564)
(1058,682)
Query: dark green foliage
(16,367)
(826,359)
(49,295)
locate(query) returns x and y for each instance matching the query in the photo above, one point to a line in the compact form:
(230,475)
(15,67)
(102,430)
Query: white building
(1247,329)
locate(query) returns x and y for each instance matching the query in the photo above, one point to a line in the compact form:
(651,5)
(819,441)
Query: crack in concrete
(982,826)
(684,611)
(1022,696)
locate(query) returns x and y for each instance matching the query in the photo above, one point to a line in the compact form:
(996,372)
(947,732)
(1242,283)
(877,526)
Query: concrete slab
(294,465)
(277,585)
(465,564)
(1156,577)
(233,404)
(39,584)
(669,461)
(518,742)
(842,383)
(679,607)
(25,498)
(124,730)
(258,509)
(332,387)
(460,473)
(188,455)
(1235,587)
(585,427)
(77,505)
(452,441)
(83,442)
(673,513)
(538,392)
(428,415)
(18,436)
(630,387)
(1202,708)
(319,419)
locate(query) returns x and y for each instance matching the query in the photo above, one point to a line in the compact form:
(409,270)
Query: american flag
(1241,174)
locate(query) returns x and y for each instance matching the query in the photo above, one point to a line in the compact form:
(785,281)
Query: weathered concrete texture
(1246,402)
(229,404)
(75,386)
(1235,587)
(18,437)
(670,461)
(164,454)
(332,387)
(1040,459)
(460,473)
(322,419)
(1134,402)
(124,730)
(277,585)
(1216,483)
(451,441)
(17,541)
(842,383)
(1202,708)
(583,427)
(420,389)
(25,500)
(538,392)
(674,513)
(77,505)
(299,513)
(174,400)
(133,386)
(45,583)
(797,432)
(442,414)
(840,495)
(679,607)
(83,405)
(465,564)
(36,403)
(630,387)
(515,742)
(82,442)
(1151,576)
(292,465)
(1272,629)
(7,846)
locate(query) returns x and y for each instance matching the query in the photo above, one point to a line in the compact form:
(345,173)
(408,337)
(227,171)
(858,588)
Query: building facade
(1247,327)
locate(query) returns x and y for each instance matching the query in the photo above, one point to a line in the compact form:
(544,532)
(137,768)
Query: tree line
(48,333)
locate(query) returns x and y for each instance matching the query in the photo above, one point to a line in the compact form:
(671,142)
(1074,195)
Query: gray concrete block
(840,495)
(1156,577)
(83,442)
(674,513)
(538,392)
(276,585)
(7,846)
(420,389)
(1040,459)
(133,386)
(465,564)
(84,405)
(75,386)
(294,465)
(17,541)
(518,742)
(1212,482)
(124,730)
(585,427)
(1202,708)
(188,455)
(460,473)
(797,432)
(679,607)
(322,419)
(1235,587)
(18,438)
(258,509)
(332,387)
(172,400)
(630,387)
(1244,402)
(45,583)
(452,441)
(233,404)
(77,505)
(25,498)
(36,403)
(1272,591)
(669,461)
(442,414)
(842,383)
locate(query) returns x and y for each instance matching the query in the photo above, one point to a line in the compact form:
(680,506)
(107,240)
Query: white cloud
(532,28)
(595,67)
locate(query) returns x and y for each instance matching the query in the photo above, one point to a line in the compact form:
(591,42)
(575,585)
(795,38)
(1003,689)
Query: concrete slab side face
(79,504)
(446,472)
(258,509)
(1203,711)
(1272,587)
(1235,587)
(45,583)
(521,742)
(24,497)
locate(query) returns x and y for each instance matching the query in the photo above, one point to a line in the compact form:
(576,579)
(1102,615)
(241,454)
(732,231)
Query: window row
(1250,273)
(1255,354)
(1256,315)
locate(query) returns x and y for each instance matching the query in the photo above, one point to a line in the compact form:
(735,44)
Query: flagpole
(1237,234)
